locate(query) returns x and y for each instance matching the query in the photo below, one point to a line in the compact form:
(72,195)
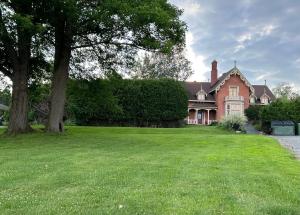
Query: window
(252,100)
(201,96)
(234,109)
(264,100)
(233,91)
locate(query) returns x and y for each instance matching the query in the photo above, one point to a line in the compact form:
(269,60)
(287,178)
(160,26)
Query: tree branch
(91,44)
(6,72)
(8,43)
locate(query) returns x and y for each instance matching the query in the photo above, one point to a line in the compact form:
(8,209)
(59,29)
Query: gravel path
(290,142)
(250,129)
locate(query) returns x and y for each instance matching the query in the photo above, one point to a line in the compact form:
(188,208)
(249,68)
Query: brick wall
(244,91)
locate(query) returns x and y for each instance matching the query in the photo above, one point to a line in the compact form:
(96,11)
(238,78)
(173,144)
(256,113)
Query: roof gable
(192,88)
(226,76)
(260,90)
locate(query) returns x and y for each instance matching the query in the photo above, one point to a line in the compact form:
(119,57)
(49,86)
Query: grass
(194,170)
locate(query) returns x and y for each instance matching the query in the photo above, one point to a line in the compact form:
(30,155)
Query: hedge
(159,103)
(279,110)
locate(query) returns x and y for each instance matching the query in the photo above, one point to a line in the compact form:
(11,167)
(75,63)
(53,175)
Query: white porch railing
(192,121)
(234,98)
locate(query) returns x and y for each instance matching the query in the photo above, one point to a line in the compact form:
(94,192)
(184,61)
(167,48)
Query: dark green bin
(283,128)
(298,128)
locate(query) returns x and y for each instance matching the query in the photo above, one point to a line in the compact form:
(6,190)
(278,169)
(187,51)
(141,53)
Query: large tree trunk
(18,119)
(58,96)
(60,77)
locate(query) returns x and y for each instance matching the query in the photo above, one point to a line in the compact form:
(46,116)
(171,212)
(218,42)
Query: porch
(201,116)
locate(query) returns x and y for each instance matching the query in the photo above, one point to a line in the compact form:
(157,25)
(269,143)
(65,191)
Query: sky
(262,36)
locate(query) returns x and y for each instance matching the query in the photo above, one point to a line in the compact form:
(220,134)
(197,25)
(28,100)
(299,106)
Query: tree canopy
(158,65)
(34,33)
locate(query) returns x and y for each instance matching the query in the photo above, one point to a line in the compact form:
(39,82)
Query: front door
(199,117)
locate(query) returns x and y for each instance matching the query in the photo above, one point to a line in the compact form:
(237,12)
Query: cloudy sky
(262,36)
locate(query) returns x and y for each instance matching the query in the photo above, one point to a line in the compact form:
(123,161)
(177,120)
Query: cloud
(190,7)
(254,34)
(297,63)
(197,60)
(264,38)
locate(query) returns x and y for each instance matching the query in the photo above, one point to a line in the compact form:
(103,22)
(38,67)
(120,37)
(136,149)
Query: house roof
(203,105)
(261,89)
(193,88)
(222,79)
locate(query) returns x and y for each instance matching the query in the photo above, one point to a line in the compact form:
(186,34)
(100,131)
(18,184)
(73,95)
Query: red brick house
(231,93)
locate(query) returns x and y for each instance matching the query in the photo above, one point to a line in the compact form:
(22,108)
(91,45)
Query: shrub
(234,122)
(278,110)
(252,113)
(257,126)
(155,103)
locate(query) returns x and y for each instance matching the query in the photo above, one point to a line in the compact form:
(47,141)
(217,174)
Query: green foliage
(5,99)
(38,92)
(160,103)
(159,65)
(110,32)
(253,112)
(234,122)
(91,102)
(281,109)
(5,96)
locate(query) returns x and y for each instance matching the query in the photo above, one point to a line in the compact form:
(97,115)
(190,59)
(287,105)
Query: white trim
(208,121)
(234,86)
(234,71)
(265,94)
(241,104)
(201,101)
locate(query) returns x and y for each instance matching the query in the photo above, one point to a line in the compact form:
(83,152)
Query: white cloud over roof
(264,38)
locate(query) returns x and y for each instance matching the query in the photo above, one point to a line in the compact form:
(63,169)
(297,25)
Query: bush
(234,122)
(252,113)
(257,126)
(278,110)
(155,103)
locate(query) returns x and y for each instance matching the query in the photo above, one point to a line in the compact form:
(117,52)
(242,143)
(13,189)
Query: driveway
(290,142)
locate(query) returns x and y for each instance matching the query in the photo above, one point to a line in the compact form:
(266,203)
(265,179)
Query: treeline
(53,39)
(281,109)
(156,103)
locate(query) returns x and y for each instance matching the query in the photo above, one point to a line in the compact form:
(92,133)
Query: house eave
(202,101)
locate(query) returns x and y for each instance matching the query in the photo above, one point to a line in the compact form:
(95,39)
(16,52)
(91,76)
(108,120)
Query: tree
(285,91)
(19,29)
(160,65)
(105,29)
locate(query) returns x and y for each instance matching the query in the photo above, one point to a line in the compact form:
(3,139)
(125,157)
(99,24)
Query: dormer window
(201,96)
(264,100)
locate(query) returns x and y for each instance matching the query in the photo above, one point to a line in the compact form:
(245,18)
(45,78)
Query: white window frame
(229,110)
(264,100)
(201,96)
(237,91)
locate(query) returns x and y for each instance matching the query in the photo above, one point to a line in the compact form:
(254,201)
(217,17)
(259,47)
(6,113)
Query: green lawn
(195,170)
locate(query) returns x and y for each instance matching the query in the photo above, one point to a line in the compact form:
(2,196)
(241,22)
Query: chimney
(214,72)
